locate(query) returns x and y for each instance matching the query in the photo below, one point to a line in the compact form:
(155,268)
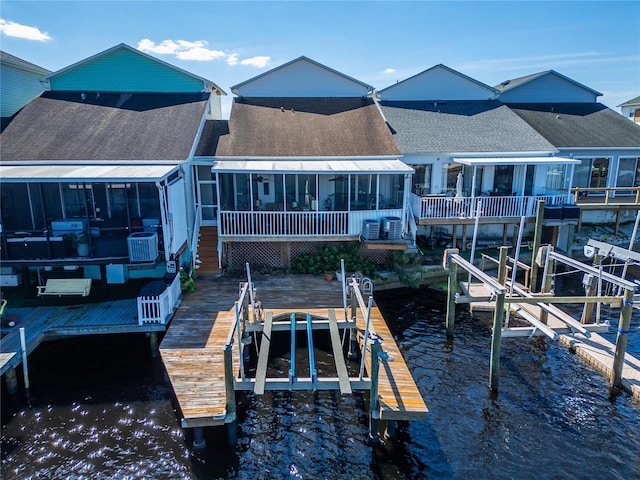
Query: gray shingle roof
(211,133)
(485,126)
(306,127)
(580,125)
(111,126)
(630,103)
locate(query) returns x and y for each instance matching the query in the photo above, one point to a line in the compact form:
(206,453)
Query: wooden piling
(451,291)
(592,289)
(230,389)
(374,411)
(622,338)
(153,344)
(498,315)
(198,438)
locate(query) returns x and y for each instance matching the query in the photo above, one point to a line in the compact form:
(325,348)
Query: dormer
(438,83)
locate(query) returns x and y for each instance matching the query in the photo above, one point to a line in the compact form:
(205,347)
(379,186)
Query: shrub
(328,257)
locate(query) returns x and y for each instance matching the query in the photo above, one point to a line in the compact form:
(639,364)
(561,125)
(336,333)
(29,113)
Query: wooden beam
(338,354)
(614,301)
(300,325)
(263,357)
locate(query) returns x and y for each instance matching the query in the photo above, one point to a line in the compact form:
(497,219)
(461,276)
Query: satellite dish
(589,251)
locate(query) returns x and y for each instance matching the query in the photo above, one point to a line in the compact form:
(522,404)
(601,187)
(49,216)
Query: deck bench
(65,286)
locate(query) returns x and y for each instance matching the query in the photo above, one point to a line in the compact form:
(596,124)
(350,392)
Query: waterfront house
(305,158)
(631,109)
(472,154)
(567,114)
(19,84)
(95,175)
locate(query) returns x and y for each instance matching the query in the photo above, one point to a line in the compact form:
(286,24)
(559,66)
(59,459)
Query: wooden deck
(596,350)
(40,323)
(192,349)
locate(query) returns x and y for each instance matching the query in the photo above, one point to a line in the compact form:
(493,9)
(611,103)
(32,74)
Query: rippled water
(102,408)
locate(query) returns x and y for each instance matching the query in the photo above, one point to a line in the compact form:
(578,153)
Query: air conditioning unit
(370,229)
(143,246)
(392,228)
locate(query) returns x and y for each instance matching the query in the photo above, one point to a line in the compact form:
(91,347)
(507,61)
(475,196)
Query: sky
(377,42)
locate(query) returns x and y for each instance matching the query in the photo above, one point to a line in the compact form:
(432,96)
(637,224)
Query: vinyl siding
(302,79)
(125,71)
(548,89)
(18,88)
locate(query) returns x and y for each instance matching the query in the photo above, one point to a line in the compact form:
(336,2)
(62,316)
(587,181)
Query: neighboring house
(631,109)
(567,114)
(19,84)
(101,158)
(305,157)
(465,145)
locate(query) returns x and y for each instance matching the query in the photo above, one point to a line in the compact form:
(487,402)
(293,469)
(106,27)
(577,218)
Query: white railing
(437,207)
(158,308)
(298,224)
(195,234)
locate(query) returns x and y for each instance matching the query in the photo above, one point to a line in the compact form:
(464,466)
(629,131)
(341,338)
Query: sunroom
(308,199)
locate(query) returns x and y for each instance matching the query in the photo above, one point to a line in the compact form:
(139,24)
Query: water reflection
(102,408)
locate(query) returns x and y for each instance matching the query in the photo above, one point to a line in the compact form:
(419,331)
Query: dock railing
(159,308)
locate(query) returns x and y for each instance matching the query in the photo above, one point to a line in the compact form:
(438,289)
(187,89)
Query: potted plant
(81,242)
(328,276)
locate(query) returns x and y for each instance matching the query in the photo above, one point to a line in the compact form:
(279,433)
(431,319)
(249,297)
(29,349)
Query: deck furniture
(65,286)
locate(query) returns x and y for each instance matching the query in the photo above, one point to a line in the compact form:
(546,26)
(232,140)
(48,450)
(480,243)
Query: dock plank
(263,358)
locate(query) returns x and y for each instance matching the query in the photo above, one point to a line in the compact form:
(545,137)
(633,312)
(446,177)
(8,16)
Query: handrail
(580,193)
(195,236)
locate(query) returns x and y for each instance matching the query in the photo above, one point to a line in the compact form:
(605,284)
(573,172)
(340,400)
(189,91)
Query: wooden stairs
(207,257)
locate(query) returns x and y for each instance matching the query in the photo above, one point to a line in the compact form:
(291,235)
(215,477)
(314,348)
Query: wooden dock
(192,349)
(40,323)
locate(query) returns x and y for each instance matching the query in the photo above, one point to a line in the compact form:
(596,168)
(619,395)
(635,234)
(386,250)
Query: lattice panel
(379,257)
(258,254)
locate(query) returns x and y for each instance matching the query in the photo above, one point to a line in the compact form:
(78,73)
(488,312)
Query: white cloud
(389,70)
(258,62)
(182,49)
(13,29)
(197,50)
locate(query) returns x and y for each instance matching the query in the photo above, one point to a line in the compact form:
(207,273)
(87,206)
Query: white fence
(298,224)
(437,207)
(158,308)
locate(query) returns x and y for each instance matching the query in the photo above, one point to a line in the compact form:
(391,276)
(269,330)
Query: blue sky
(377,42)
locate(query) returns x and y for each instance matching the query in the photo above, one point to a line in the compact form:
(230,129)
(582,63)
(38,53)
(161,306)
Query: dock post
(502,265)
(537,238)
(622,338)
(198,438)
(496,339)
(374,412)
(230,389)
(451,289)
(547,277)
(592,289)
(25,366)
(153,344)
(12,381)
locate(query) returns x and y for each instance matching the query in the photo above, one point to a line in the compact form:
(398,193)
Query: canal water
(101,408)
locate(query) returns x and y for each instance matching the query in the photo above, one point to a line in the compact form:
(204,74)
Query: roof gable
(438,83)
(302,77)
(548,86)
(124,69)
(16,62)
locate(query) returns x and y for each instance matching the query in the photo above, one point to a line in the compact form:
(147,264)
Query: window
(421,184)
(555,177)
(503,179)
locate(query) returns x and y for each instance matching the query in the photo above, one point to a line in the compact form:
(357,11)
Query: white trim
(312,166)
(83,173)
(516,161)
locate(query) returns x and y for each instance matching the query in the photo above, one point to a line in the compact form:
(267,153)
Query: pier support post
(547,277)
(374,411)
(622,338)
(198,438)
(592,289)
(353,337)
(496,339)
(12,381)
(230,389)
(451,289)
(153,344)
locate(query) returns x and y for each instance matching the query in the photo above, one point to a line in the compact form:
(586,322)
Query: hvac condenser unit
(143,246)
(370,230)
(392,228)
